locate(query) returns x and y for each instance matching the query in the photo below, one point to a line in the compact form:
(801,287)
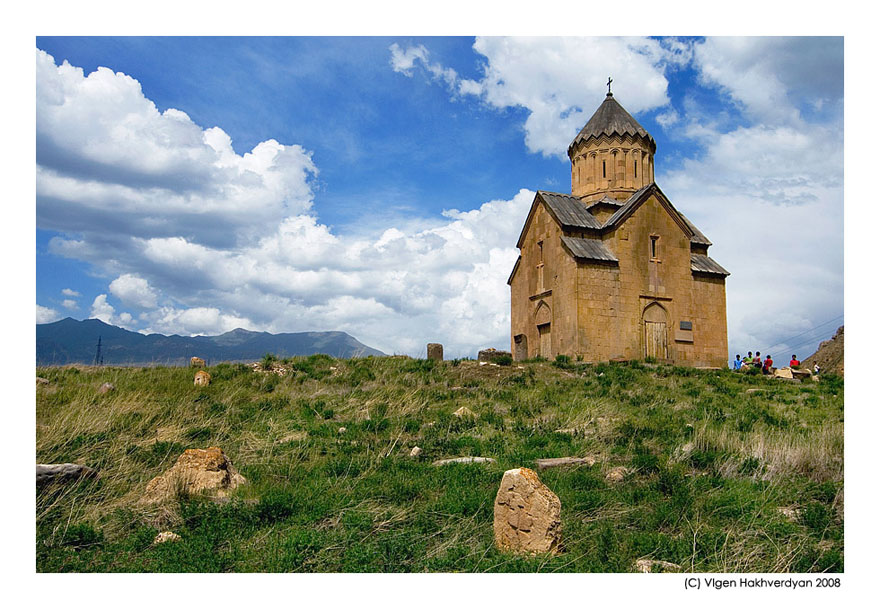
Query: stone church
(613,270)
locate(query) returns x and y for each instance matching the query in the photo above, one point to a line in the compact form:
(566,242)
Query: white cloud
(197,320)
(134,291)
(101,309)
(46,315)
(405,60)
(774,78)
(68,303)
(108,162)
(71,293)
(560,81)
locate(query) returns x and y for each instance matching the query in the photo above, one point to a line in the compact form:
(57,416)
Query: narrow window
(654,239)
(603,169)
(635,169)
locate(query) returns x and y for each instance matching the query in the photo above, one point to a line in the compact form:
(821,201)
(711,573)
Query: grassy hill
(725,471)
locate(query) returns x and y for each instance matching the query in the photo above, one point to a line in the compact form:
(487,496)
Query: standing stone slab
(527,514)
(435,351)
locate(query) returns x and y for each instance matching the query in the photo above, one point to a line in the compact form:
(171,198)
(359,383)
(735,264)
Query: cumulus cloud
(109,162)
(101,309)
(774,78)
(134,291)
(559,80)
(68,303)
(46,315)
(71,293)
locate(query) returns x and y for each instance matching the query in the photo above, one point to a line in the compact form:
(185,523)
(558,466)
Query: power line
(784,342)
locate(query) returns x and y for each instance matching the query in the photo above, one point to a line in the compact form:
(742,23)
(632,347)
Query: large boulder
(197,471)
(196,362)
(783,373)
(527,514)
(202,378)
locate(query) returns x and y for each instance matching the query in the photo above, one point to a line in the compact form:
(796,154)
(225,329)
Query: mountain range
(71,341)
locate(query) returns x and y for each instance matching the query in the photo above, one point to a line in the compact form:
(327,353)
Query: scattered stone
(482,363)
(62,472)
(617,474)
(754,390)
(563,461)
(342,430)
(464,412)
(801,374)
(166,536)
(202,378)
(527,514)
(619,360)
(435,351)
(415,452)
(196,362)
(491,355)
(783,373)
(792,513)
(42,381)
(197,470)
(106,388)
(464,460)
(645,565)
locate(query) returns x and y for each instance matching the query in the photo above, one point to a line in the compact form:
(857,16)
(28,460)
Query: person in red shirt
(767,364)
(794,362)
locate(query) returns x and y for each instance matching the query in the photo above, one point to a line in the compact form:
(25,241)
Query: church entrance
(544,342)
(655,332)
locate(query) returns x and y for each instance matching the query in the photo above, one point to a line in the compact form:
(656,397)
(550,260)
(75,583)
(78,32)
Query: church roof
(704,264)
(569,211)
(637,197)
(588,249)
(611,119)
(572,214)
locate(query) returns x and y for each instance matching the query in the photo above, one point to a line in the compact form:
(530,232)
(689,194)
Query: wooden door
(544,343)
(655,340)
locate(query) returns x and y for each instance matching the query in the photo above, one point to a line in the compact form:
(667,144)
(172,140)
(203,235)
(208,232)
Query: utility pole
(99,359)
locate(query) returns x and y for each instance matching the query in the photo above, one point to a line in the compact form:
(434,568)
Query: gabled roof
(611,119)
(568,211)
(640,196)
(703,264)
(573,214)
(588,249)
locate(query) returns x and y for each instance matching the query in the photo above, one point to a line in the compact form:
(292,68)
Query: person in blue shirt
(737,363)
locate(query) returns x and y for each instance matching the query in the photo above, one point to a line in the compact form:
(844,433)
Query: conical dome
(612,156)
(611,119)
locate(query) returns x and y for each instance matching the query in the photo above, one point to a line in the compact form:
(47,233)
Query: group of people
(766,366)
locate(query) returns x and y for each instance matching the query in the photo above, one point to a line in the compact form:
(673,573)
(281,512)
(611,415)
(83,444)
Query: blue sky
(378,185)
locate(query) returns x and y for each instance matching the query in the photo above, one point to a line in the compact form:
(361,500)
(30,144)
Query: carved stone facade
(614,270)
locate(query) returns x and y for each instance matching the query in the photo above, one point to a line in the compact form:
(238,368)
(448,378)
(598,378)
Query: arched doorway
(654,320)
(542,320)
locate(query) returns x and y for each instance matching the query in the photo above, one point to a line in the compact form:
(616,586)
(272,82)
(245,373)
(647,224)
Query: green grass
(719,479)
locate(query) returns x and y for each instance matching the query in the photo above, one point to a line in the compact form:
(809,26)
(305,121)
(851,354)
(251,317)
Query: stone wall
(596,309)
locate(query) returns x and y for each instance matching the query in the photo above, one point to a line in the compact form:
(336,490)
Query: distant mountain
(70,341)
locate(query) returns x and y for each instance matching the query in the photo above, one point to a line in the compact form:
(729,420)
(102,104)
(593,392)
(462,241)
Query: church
(613,270)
